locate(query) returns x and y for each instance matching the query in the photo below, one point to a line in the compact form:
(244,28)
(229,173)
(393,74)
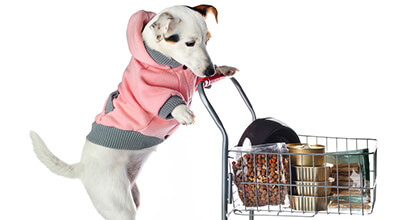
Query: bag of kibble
(259,172)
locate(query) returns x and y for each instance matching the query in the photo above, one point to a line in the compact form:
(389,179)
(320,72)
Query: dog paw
(226,70)
(183,115)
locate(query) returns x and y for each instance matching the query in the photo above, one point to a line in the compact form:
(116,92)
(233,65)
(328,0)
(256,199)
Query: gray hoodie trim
(109,107)
(120,139)
(161,58)
(169,105)
(173,101)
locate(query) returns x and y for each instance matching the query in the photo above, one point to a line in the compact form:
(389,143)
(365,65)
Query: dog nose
(210,70)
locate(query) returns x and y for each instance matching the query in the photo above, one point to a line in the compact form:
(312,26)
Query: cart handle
(211,109)
(225,144)
(213,113)
(244,97)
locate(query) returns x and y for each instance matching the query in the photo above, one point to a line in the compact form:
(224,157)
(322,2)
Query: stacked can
(310,176)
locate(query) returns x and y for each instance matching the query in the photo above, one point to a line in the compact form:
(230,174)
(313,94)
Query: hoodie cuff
(168,107)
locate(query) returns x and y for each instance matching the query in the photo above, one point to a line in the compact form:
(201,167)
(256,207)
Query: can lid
(306,148)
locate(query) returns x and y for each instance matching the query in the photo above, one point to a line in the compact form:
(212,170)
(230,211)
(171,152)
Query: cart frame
(227,196)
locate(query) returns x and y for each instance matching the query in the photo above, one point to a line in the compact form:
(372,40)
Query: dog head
(180,32)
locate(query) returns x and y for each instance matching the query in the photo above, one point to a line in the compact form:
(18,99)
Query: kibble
(258,176)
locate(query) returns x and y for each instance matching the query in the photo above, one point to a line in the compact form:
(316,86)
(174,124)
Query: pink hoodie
(138,114)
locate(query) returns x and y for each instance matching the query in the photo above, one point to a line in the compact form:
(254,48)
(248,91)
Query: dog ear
(164,24)
(204,9)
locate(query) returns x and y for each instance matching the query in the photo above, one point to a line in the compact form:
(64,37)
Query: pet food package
(257,173)
(351,171)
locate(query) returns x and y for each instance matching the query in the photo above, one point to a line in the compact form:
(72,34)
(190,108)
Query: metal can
(311,173)
(305,154)
(309,203)
(315,188)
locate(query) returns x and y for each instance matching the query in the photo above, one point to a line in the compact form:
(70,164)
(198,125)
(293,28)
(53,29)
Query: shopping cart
(271,189)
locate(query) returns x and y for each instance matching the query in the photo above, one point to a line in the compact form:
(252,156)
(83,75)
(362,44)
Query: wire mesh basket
(270,180)
(345,185)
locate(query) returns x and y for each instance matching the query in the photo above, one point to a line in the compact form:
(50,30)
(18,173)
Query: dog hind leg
(112,197)
(135,195)
(133,168)
(105,177)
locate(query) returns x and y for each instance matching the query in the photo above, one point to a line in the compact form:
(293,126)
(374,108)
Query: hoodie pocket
(109,106)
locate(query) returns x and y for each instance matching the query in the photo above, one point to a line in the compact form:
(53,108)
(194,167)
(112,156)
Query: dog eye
(173,38)
(190,44)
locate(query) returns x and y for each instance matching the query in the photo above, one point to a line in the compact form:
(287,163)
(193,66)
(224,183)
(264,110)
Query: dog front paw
(183,115)
(226,70)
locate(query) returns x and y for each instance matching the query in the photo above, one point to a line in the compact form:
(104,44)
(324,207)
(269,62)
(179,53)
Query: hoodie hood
(136,45)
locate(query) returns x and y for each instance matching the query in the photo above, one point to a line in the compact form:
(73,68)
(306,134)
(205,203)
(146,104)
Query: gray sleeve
(168,107)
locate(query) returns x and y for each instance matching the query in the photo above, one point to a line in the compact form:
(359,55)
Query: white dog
(169,58)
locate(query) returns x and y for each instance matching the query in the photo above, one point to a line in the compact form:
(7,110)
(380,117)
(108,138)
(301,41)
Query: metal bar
(362,186)
(314,182)
(291,182)
(337,183)
(243,179)
(327,143)
(230,193)
(279,158)
(303,183)
(326,182)
(244,97)
(267,180)
(225,144)
(375,175)
(350,185)
(251,215)
(218,122)
(314,136)
(337,144)
(254,180)
(347,144)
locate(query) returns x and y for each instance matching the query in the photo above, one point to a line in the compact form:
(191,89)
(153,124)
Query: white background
(324,67)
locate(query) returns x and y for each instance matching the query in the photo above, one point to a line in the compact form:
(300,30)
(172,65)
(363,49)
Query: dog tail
(52,162)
